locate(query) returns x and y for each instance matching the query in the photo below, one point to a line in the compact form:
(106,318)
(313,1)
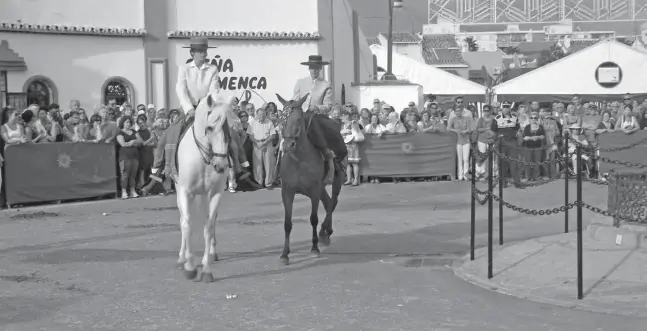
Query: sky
(374,16)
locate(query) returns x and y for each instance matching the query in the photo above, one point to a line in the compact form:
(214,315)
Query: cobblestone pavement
(110,265)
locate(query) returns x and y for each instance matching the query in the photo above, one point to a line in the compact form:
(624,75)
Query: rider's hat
(199,43)
(315,60)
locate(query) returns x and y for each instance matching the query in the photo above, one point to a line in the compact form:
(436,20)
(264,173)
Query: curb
(459,271)
(50,206)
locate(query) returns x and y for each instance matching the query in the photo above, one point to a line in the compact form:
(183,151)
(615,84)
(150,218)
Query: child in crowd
(576,134)
(352,135)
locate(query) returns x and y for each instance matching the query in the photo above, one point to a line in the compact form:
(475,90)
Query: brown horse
(302,170)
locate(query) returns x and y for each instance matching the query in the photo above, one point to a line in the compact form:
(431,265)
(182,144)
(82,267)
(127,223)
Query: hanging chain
(558,159)
(622,163)
(612,214)
(613,149)
(476,192)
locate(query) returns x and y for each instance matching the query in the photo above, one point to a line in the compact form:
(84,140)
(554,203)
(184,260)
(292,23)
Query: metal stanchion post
(501,184)
(565,170)
(580,293)
(473,205)
(490,152)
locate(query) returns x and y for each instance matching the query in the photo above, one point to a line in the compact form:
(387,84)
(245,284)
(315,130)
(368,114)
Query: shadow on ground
(65,256)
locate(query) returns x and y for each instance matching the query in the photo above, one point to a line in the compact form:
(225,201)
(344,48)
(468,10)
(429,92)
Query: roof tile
(441,50)
(373,41)
(402,37)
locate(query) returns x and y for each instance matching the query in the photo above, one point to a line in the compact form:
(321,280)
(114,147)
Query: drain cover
(428,262)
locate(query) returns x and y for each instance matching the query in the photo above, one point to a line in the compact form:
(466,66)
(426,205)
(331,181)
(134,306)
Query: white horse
(202,161)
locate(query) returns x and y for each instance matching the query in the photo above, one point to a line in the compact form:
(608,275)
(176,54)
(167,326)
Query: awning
(10,60)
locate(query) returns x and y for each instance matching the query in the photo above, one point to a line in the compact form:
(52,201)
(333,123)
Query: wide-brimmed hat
(199,43)
(315,60)
(575,127)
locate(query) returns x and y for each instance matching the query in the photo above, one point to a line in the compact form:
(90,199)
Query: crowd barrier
(626,185)
(409,155)
(64,171)
(59,171)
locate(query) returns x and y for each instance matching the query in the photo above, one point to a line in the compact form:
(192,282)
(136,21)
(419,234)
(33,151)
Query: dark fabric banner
(636,154)
(409,155)
(59,171)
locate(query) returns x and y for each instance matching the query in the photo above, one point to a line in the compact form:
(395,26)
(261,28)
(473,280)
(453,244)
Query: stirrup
(157,178)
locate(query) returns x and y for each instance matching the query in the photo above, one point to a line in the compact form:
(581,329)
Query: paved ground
(544,270)
(69,267)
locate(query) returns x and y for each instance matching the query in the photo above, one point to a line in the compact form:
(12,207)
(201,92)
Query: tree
(553,54)
(472,46)
(510,50)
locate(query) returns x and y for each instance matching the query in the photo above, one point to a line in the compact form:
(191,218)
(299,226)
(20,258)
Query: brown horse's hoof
(190,274)
(324,239)
(314,253)
(179,266)
(285,260)
(215,257)
(207,277)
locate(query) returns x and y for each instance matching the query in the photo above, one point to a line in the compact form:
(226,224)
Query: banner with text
(637,154)
(59,171)
(409,155)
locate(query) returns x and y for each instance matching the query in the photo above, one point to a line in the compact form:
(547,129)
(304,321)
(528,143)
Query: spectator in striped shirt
(262,132)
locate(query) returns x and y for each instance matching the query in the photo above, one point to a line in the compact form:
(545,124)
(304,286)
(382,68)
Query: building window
(3,89)
(119,89)
(40,90)
(38,93)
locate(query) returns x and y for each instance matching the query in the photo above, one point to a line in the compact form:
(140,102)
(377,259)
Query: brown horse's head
(295,126)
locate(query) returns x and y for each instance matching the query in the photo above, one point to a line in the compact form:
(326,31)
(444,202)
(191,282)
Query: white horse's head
(216,107)
(211,122)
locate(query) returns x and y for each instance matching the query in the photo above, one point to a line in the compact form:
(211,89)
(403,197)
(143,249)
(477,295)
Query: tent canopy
(576,74)
(433,80)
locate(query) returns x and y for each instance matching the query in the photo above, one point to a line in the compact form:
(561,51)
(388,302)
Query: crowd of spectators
(535,127)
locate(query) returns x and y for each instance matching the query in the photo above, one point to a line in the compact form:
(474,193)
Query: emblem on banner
(407,147)
(64,160)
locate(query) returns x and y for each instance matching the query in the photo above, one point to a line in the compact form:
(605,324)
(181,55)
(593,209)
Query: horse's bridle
(207,154)
(307,127)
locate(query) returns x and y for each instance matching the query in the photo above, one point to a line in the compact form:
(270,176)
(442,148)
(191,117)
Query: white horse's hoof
(207,277)
(190,274)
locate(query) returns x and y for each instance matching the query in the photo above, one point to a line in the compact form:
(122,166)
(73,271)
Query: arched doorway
(118,88)
(40,90)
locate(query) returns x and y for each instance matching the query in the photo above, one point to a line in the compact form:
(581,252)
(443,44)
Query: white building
(56,51)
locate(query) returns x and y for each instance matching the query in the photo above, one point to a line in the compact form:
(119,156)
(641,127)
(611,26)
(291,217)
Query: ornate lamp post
(389,66)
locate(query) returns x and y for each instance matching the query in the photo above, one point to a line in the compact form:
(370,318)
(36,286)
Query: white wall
(99,13)
(396,95)
(337,44)
(365,59)
(77,69)
(343,66)
(413,51)
(277,61)
(246,15)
